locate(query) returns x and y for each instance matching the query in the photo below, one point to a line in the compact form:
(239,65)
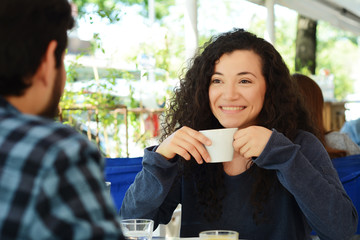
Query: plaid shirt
(51,182)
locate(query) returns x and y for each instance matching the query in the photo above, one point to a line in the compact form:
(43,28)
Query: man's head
(33,38)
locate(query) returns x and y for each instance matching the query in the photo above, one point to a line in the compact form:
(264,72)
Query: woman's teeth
(232,108)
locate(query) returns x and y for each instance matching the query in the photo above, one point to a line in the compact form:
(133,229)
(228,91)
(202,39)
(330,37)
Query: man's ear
(46,70)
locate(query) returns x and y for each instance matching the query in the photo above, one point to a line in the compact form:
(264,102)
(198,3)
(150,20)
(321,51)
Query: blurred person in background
(337,144)
(51,177)
(352,129)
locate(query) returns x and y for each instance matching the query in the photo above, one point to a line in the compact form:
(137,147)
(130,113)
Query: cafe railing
(93,112)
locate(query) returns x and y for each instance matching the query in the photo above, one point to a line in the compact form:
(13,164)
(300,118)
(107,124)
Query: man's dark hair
(26,29)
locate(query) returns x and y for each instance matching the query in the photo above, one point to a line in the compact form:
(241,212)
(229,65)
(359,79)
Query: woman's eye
(244,81)
(215,81)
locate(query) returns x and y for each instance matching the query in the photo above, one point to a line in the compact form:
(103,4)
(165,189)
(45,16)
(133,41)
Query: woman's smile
(232,108)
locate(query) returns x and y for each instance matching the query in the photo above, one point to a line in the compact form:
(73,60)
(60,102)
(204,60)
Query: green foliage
(96,43)
(96,107)
(164,53)
(105,8)
(110,9)
(336,51)
(257,25)
(285,36)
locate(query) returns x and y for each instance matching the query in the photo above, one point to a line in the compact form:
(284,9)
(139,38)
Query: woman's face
(237,89)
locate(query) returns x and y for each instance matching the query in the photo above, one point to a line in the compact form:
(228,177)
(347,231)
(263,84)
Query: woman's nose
(230,91)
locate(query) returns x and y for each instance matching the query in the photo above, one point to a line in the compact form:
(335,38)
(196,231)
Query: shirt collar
(7,106)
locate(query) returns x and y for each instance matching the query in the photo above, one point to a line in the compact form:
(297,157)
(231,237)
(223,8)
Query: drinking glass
(137,229)
(219,235)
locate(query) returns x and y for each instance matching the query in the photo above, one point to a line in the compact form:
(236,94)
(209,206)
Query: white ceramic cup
(137,229)
(221,149)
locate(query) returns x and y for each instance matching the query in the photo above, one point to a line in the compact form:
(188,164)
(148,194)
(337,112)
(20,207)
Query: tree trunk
(305,45)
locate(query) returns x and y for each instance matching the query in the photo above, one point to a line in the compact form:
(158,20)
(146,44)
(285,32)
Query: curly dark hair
(282,110)
(27,27)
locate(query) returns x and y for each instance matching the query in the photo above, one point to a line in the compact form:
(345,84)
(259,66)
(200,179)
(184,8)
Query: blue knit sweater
(308,195)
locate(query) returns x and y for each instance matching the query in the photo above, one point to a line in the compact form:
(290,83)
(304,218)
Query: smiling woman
(280,183)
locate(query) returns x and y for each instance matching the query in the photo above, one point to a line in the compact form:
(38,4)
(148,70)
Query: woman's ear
(47,69)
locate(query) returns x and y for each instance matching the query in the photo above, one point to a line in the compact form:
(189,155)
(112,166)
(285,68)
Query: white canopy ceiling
(344,14)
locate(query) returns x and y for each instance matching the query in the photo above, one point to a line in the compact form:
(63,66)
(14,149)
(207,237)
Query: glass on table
(108,187)
(137,229)
(219,235)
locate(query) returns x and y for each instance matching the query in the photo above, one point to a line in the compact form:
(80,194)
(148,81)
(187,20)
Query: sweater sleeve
(155,192)
(306,171)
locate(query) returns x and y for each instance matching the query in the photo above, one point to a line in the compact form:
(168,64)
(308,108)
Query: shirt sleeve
(306,171)
(155,192)
(73,202)
(338,140)
(352,148)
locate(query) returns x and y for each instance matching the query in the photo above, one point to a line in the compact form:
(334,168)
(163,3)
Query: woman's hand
(251,141)
(185,142)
